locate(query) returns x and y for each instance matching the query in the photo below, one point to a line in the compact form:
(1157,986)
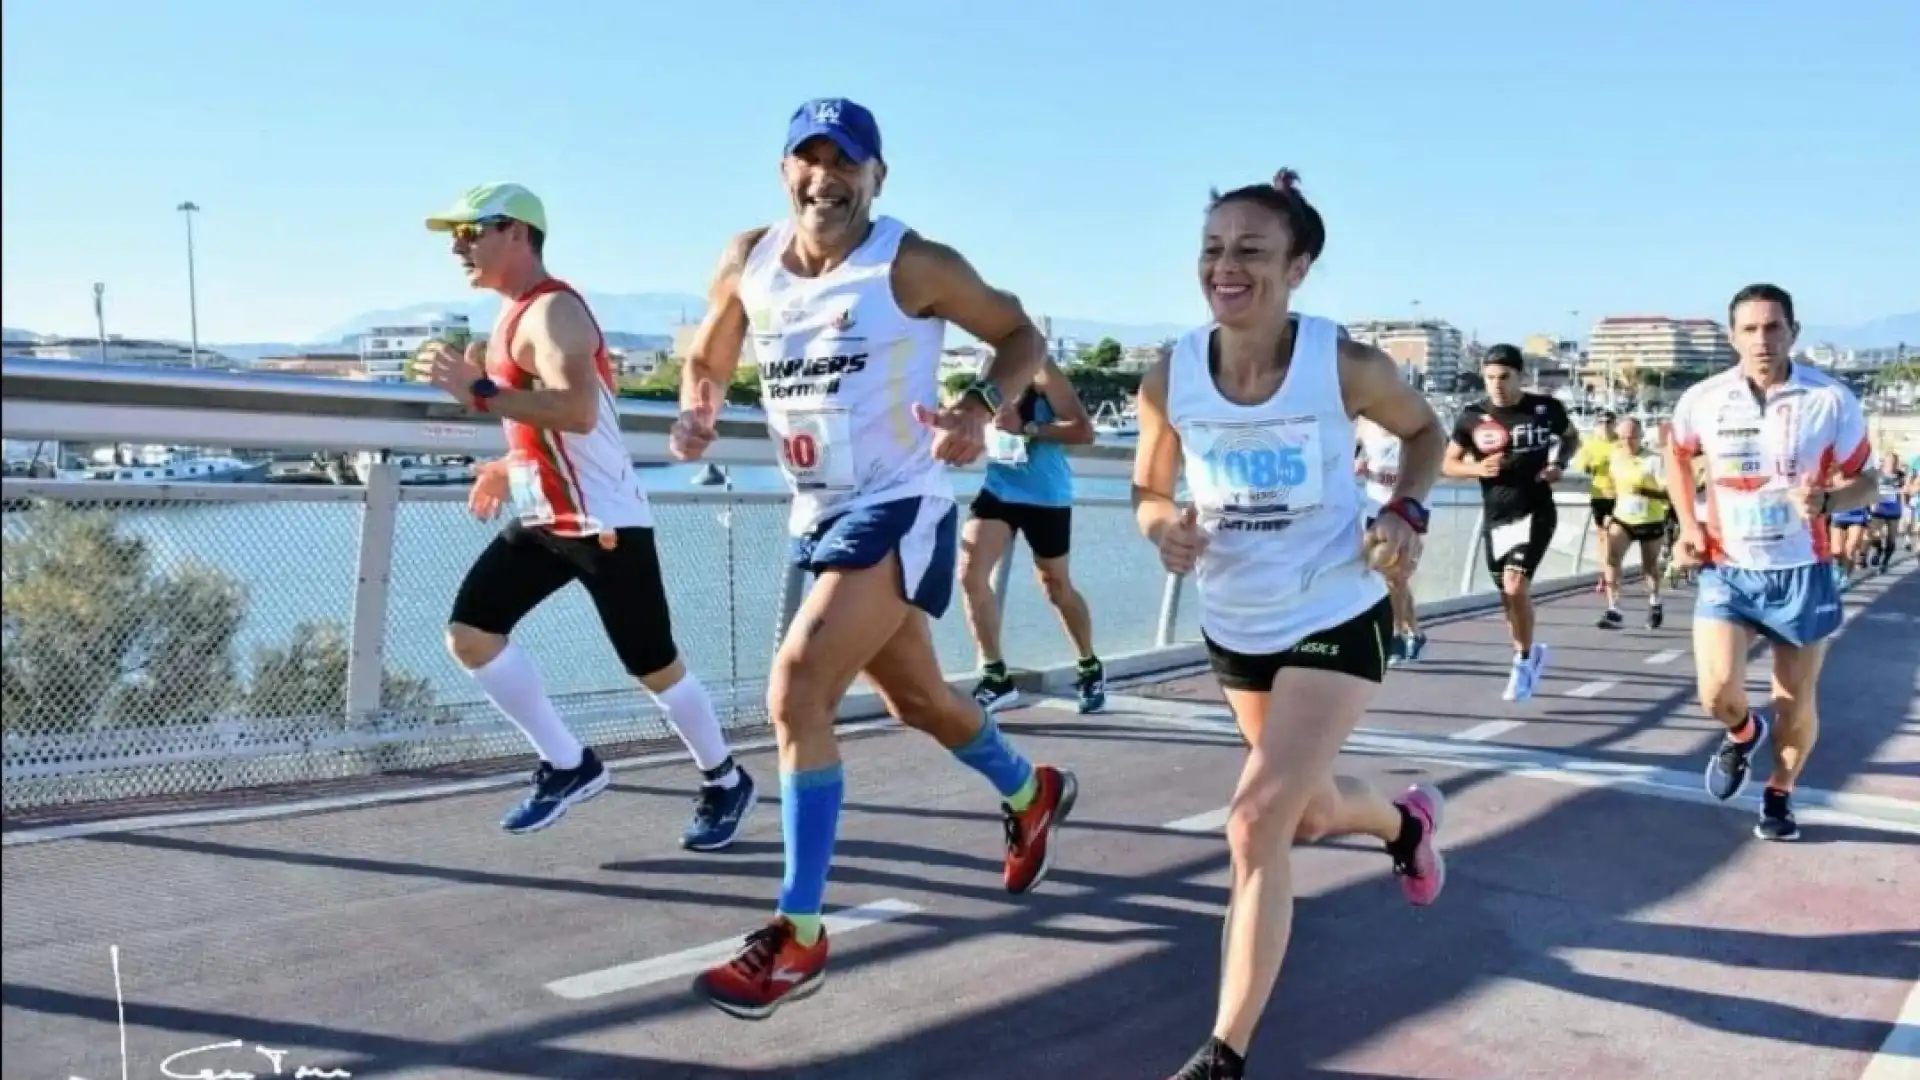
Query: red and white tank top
(573,485)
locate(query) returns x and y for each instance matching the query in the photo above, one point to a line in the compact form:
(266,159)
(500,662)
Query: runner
(1254,409)
(578,511)
(1377,462)
(1887,511)
(1029,489)
(1848,534)
(1517,443)
(1596,452)
(1912,492)
(1771,431)
(1638,518)
(847,314)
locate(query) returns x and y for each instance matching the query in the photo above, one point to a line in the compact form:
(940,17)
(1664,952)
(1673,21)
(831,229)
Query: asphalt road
(1603,918)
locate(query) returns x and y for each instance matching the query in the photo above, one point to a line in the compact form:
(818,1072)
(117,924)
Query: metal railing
(179,639)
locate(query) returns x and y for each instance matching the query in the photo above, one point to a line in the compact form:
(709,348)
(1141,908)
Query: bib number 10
(801,451)
(1284,466)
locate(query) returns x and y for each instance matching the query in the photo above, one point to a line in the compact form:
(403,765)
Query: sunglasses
(467,233)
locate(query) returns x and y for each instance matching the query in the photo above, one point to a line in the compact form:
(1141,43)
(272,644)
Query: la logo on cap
(826,112)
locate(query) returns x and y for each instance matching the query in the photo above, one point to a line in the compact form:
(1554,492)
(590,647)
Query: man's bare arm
(560,341)
(1371,384)
(715,350)
(1070,424)
(934,281)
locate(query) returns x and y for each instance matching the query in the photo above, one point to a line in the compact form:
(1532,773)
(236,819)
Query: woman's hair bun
(1286,180)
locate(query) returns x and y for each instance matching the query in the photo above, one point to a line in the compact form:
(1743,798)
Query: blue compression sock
(809,820)
(1007,769)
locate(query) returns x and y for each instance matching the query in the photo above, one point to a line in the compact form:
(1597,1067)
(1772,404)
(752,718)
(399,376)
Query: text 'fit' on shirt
(841,367)
(569,484)
(1273,485)
(1758,448)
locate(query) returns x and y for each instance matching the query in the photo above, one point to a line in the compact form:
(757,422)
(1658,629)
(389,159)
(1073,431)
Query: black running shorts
(525,564)
(1357,647)
(1523,553)
(1048,529)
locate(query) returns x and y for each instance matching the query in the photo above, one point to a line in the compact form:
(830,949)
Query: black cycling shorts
(1530,550)
(1602,510)
(525,564)
(1656,530)
(1357,647)
(1048,529)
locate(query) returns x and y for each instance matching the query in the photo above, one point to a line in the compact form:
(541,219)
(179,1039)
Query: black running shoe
(1727,769)
(1214,1061)
(1776,816)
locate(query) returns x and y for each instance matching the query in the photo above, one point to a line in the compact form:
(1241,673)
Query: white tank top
(1380,455)
(1273,484)
(841,367)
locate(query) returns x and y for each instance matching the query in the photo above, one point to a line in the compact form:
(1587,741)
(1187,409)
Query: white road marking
(1591,689)
(1208,822)
(1664,656)
(1899,1056)
(1483,732)
(689,962)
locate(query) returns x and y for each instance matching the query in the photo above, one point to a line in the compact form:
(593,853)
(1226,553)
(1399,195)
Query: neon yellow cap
(496,200)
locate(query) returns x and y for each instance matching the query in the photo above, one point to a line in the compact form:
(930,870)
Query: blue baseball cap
(851,127)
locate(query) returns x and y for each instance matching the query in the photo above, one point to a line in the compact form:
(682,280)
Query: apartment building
(1630,343)
(1429,348)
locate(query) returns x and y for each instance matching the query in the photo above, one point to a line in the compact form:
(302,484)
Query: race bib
(1256,471)
(816,449)
(525,493)
(1631,506)
(1762,518)
(1005,447)
(1504,540)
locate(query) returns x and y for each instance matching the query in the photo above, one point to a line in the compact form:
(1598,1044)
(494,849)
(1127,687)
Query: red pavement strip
(1587,930)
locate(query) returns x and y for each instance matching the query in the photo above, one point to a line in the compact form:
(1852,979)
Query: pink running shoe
(1422,871)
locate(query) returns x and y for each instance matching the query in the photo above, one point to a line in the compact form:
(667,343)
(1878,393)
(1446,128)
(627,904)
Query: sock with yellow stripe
(1008,770)
(809,820)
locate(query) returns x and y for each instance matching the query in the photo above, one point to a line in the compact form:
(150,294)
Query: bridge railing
(165,640)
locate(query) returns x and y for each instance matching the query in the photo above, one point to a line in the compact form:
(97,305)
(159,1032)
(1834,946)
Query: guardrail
(180,639)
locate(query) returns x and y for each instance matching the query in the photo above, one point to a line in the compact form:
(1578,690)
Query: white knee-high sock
(689,709)
(513,685)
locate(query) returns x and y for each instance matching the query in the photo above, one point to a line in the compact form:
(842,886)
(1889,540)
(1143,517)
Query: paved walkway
(1603,918)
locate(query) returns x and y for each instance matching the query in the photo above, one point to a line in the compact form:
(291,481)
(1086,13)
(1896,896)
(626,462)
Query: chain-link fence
(200,638)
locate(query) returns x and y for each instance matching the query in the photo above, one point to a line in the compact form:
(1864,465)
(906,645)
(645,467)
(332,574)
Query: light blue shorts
(1796,606)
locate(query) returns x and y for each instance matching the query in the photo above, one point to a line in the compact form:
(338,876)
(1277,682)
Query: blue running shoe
(1090,683)
(719,813)
(554,790)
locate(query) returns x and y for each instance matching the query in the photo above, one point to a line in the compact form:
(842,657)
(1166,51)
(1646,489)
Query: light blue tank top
(1045,478)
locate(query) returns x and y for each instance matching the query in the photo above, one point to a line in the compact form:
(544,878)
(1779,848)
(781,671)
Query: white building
(1830,356)
(386,351)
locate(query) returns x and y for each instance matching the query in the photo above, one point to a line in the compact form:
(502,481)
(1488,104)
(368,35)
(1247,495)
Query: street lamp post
(100,316)
(188,209)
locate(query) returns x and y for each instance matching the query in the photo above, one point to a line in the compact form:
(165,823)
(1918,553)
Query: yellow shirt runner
(1640,495)
(1595,458)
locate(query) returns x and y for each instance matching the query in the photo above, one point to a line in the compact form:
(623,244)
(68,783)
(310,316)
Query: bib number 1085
(801,451)
(1261,468)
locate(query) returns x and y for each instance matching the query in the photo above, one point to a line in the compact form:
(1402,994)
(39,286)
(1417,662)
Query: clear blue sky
(1501,163)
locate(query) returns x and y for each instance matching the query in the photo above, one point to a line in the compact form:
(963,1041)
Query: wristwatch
(987,392)
(481,391)
(1410,511)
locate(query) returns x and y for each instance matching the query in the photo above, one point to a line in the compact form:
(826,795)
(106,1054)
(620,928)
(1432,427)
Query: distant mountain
(1883,332)
(649,314)
(8,333)
(654,315)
